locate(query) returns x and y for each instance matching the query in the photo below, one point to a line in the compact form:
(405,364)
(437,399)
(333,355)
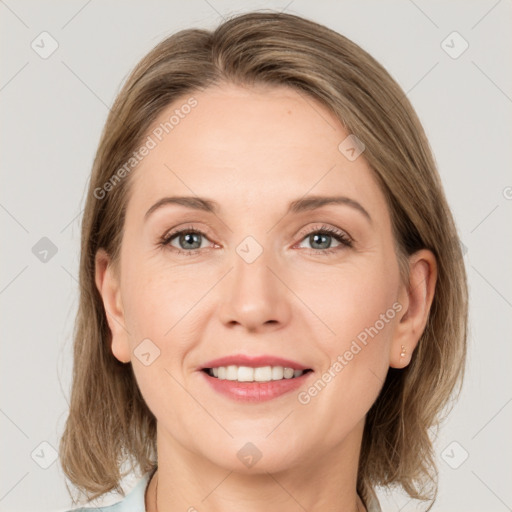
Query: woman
(273,299)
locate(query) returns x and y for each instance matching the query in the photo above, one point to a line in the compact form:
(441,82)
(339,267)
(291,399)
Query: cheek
(356,357)
(350,299)
(159,299)
(160,308)
(358,306)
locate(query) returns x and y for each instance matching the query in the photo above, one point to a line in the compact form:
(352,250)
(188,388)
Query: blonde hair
(109,421)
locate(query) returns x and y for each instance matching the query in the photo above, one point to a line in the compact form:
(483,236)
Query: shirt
(134,501)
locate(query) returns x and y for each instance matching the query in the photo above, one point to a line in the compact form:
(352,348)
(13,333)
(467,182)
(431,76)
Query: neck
(186,481)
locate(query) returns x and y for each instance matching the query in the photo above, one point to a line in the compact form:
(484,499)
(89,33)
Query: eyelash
(338,235)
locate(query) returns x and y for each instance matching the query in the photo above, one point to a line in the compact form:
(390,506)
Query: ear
(416,299)
(107,282)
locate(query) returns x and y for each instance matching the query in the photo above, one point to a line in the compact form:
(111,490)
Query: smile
(254,390)
(249,374)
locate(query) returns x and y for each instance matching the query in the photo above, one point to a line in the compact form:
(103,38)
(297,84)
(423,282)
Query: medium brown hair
(109,422)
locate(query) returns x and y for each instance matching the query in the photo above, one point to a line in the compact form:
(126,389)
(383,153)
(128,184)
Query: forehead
(244,145)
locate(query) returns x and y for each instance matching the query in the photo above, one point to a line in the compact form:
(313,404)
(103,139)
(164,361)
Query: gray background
(53,110)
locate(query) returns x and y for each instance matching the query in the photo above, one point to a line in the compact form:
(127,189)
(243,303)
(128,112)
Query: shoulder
(372,504)
(132,502)
(116,507)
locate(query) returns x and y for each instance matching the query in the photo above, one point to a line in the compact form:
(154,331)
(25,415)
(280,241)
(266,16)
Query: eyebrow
(300,205)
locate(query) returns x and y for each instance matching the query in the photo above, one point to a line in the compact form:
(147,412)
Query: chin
(250,455)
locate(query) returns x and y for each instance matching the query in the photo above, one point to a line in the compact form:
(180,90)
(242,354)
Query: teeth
(277,372)
(249,374)
(231,372)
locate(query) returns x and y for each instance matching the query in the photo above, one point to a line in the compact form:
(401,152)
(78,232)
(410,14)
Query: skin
(254,150)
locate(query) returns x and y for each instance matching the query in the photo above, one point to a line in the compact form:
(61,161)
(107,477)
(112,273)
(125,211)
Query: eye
(188,240)
(321,240)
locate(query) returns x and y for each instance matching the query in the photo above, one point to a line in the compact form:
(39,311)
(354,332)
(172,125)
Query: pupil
(319,235)
(189,238)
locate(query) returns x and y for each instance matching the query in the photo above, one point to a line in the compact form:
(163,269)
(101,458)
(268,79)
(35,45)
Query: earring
(402,354)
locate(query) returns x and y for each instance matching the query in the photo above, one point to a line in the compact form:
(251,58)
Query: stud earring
(403,352)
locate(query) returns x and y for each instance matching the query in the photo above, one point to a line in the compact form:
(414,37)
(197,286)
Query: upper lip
(253,362)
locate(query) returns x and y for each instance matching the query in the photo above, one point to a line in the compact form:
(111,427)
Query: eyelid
(325,228)
(188,226)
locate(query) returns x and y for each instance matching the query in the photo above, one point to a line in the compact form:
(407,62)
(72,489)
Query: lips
(253,362)
(273,376)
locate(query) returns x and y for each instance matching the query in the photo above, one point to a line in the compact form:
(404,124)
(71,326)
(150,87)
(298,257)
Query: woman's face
(259,280)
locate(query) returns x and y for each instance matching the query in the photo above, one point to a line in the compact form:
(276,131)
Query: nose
(254,296)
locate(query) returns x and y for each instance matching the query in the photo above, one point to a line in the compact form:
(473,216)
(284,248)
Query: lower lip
(255,391)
